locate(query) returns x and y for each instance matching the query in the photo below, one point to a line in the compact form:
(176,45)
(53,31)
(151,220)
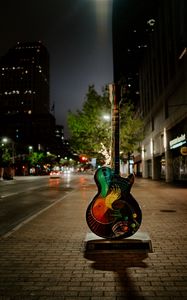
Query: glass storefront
(180,167)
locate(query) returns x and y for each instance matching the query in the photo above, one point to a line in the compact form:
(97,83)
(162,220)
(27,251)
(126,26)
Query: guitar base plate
(139,242)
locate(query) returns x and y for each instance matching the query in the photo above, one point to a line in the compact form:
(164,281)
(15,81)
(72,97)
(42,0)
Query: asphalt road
(22,198)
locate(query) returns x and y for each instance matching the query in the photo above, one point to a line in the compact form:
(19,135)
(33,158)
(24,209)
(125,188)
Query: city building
(163,95)
(133,22)
(150,49)
(24,97)
(26,121)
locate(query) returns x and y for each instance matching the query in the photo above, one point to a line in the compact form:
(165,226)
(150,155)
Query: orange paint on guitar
(101,212)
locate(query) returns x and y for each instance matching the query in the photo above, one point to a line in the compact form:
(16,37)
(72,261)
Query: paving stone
(45,259)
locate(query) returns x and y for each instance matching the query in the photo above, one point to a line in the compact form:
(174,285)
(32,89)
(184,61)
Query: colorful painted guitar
(113,213)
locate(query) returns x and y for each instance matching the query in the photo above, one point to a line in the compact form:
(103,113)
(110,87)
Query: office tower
(24,95)
(150,54)
(24,79)
(131,32)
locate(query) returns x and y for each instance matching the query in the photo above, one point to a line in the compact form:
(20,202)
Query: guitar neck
(115,161)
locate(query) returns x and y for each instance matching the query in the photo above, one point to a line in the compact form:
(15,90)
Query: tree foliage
(89,130)
(87,127)
(131,128)
(35,158)
(5,156)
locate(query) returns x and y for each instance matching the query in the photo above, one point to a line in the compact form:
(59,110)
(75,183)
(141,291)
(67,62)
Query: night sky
(78,36)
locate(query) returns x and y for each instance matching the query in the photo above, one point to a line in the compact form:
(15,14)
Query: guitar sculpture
(113,213)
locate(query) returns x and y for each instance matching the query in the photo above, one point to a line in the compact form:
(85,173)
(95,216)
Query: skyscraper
(150,53)
(24,94)
(163,95)
(24,79)
(131,33)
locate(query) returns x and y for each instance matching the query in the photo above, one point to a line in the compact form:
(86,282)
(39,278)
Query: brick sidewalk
(45,258)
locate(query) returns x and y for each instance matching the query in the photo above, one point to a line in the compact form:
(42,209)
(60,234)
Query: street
(23,197)
(45,258)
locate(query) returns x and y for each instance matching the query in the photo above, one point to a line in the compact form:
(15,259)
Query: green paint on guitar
(103,178)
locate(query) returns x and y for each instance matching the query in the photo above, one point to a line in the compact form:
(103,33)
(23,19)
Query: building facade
(150,57)
(131,30)
(24,79)
(24,96)
(163,96)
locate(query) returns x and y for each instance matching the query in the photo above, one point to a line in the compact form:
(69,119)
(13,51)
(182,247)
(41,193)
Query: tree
(131,128)
(40,160)
(35,158)
(5,158)
(87,127)
(90,134)
(5,162)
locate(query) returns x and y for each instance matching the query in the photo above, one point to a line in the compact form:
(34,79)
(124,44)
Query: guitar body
(113,213)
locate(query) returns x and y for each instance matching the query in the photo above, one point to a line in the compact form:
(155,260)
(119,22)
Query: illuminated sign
(177,142)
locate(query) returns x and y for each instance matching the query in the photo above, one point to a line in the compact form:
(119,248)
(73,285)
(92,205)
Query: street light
(30,149)
(5,140)
(106,117)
